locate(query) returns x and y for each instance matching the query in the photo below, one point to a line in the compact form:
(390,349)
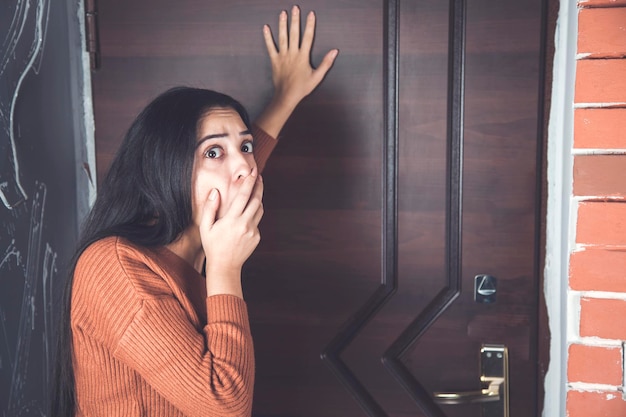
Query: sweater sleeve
(202,373)
(264,145)
(208,374)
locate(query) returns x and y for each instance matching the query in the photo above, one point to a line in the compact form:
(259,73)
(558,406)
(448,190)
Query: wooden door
(413,169)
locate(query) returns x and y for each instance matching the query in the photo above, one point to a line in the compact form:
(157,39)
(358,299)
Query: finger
(258,215)
(324,66)
(294,34)
(309,33)
(269,41)
(242,197)
(255,205)
(283,42)
(256,199)
(211,207)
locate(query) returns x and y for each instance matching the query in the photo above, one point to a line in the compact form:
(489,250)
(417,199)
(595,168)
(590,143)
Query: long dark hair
(145,198)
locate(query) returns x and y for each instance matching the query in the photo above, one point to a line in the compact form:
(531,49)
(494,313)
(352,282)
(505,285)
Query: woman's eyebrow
(221,135)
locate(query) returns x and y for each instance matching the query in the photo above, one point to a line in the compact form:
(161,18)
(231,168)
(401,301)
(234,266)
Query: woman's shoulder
(112,249)
(110,244)
(115,261)
(105,292)
(114,274)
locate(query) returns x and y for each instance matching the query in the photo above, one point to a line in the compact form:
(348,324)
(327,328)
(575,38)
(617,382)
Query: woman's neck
(189,248)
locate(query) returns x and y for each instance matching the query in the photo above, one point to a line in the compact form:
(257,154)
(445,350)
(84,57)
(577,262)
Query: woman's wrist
(224,281)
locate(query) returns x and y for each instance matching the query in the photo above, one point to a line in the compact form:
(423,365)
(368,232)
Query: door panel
(382,203)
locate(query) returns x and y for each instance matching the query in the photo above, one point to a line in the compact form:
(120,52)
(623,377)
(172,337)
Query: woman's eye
(214,152)
(247,147)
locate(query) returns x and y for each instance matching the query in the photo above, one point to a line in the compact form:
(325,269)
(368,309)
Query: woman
(155,318)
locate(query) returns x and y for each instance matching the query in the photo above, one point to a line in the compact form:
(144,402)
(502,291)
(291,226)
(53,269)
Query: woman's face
(222,160)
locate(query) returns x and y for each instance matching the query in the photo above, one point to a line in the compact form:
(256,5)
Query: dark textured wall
(38,211)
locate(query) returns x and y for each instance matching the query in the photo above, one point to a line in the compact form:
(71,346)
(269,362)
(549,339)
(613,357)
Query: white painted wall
(561,215)
(86,180)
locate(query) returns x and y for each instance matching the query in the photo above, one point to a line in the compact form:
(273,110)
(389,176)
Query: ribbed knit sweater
(147,341)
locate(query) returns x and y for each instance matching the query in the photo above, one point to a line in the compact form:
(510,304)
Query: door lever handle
(494,378)
(489,394)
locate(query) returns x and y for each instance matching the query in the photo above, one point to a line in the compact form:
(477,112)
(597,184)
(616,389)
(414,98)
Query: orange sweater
(147,341)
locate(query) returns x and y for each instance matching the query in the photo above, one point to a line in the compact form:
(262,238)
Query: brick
(600,128)
(600,175)
(596,269)
(601,81)
(601,223)
(602,3)
(593,364)
(595,404)
(602,318)
(602,32)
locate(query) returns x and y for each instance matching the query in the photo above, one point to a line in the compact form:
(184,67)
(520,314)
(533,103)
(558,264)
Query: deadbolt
(485,288)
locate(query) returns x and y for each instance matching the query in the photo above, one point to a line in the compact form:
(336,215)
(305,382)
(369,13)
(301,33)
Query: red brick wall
(597,280)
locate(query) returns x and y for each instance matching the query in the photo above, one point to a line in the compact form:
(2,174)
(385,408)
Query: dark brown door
(409,172)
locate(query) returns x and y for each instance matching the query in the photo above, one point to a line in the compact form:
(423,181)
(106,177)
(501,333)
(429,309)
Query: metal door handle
(494,370)
(492,393)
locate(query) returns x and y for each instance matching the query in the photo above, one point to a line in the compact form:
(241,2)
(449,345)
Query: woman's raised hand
(293,75)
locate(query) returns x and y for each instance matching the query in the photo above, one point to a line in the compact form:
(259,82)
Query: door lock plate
(494,379)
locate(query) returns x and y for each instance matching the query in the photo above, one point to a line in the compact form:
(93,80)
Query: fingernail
(213,194)
(334,53)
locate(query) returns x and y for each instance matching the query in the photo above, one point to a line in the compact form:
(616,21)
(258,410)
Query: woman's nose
(243,166)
